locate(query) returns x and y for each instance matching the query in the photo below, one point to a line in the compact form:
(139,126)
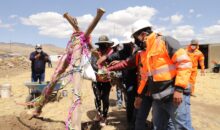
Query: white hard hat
(116,42)
(38,46)
(139,25)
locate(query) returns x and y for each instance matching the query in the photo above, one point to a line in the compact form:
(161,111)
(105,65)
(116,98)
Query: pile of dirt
(14,65)
(25,122)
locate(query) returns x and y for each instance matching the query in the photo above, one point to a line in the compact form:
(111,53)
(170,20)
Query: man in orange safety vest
(196,57)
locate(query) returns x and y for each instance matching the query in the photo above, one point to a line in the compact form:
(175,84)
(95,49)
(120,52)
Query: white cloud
(161,29)
(183,33)
(49,24)
(164,18)
(84,21)
(115,40)
(191,11)
(198,15)
(131,14)
(6,26)
(212,30)
(211,33)
(13,16)
(176,19)
(118,23)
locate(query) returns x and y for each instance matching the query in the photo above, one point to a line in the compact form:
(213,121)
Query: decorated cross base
(78,46)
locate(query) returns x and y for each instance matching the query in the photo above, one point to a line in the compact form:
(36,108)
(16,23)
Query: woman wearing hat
(102,87)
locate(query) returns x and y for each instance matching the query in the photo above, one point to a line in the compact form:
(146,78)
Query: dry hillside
(14,57)
(26,49)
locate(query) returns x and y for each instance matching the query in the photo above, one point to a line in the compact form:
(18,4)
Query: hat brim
(105,42)
(138,31)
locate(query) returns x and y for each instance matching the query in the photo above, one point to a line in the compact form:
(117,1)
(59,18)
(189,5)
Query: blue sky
(31,21)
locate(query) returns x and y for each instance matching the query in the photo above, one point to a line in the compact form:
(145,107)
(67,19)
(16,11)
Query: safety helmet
(116,42)
(194,42)
(140,25)
(38,46)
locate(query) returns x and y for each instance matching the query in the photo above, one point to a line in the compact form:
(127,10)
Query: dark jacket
(129,75)
(38,65)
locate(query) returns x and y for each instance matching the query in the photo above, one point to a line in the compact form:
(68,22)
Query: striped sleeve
(183,67)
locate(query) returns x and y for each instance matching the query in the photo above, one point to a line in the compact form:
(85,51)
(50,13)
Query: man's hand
(101,59)
(114,62)
(46,58)
(202,72)
(177,98)
(137,102)
(37,56)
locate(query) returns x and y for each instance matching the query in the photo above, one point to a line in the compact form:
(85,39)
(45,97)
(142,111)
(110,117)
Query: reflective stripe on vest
(185,65)
(182,58)
(166,92)
(169,91)
(167,68)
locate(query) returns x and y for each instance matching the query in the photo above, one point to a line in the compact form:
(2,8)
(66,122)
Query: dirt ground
(205,107)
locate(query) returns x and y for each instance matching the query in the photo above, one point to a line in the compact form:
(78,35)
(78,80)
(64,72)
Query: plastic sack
(87,70)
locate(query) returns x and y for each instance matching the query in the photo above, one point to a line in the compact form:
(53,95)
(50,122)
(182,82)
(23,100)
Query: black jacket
(129,75)
(38,65)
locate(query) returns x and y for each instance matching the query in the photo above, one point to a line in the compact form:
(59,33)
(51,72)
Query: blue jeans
(188,116)
(37,77)
(119,96)
(142,113)
(179,115)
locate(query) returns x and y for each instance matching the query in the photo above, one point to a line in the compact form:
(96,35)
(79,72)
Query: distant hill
(26,49)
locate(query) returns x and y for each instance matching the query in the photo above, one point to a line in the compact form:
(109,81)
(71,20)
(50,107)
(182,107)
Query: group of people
(156,73)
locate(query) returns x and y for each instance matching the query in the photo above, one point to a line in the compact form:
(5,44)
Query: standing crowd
(153,72)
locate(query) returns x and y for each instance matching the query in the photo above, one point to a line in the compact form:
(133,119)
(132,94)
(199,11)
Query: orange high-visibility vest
(196,56)
(155,61)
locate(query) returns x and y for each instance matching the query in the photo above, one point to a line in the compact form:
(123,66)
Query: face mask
(39,50)
(140,44)
(193,47)
(103,48)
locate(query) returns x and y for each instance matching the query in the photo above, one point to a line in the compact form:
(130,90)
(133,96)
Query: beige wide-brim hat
(104,40)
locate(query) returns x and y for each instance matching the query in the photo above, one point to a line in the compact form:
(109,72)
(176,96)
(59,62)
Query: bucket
(5,90)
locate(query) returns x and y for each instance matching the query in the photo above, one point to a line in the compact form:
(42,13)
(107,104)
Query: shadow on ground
(24,122)
(116,119)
